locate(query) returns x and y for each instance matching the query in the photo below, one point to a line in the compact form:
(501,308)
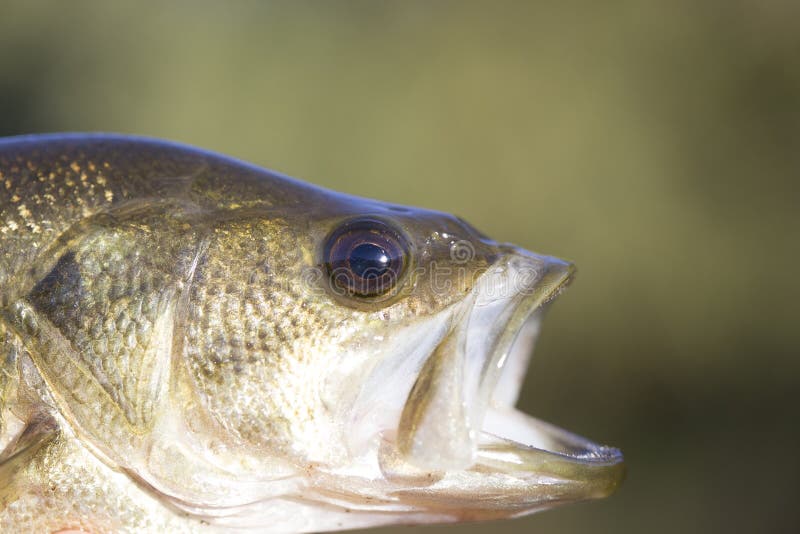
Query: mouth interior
(505,346)
(501,419)
(460,414)
(505,423)
(511,441)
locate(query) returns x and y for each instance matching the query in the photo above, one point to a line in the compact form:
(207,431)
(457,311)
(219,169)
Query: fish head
(255,352)
(378,351)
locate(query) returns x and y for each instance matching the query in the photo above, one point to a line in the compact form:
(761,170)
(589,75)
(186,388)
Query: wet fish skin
(173,357)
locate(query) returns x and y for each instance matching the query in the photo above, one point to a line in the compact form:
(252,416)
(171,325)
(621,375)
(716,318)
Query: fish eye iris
(365,258)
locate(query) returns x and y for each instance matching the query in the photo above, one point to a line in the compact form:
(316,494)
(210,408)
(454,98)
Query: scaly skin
(174,358)
(99,235)
(48,188)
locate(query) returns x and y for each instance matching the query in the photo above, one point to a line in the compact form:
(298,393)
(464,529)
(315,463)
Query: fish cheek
(232,341)
(253,340)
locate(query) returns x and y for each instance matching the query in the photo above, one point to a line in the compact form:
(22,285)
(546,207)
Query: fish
(191,343)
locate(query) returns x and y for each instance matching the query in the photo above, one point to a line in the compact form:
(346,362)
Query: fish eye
(365,258)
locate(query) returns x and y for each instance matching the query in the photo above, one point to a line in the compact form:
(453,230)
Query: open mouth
(460,415)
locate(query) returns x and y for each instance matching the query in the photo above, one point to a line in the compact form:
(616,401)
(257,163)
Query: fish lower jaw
(521,466)
(554,465)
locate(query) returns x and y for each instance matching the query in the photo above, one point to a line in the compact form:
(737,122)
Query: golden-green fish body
(193,344)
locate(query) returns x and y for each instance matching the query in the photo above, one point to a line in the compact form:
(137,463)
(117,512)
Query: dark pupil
(369,261)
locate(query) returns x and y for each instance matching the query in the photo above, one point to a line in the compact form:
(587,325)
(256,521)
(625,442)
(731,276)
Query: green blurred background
(656,144)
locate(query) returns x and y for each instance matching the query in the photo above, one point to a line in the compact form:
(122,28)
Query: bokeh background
(656,144)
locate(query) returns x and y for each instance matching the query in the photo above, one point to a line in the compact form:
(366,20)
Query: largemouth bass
(190,343)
